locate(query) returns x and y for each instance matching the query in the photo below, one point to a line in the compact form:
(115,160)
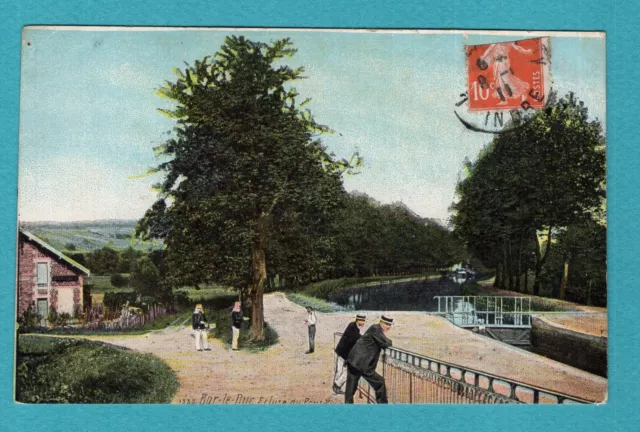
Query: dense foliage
(56,370)
(250,193)
(530,191)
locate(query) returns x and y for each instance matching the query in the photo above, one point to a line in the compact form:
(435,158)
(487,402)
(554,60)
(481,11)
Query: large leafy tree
(245,163)
(530,184)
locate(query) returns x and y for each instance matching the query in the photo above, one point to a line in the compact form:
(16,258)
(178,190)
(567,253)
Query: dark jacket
(366,352)
(348,340)
(195,321)
(236,319)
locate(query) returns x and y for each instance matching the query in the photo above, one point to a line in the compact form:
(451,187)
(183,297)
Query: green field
(90,235)
(61,370)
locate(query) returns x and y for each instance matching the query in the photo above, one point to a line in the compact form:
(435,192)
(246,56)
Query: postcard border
(623,159)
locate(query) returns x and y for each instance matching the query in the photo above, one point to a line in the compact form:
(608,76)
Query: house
(47,279)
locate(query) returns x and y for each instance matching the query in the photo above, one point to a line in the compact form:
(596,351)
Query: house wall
(69,293)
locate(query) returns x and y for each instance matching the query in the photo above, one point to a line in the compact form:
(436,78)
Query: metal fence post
(410,388)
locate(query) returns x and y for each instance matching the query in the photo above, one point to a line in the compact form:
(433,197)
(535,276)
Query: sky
(89,119)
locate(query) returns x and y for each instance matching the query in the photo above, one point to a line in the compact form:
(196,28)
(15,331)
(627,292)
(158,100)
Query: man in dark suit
(349,338)
(363,359)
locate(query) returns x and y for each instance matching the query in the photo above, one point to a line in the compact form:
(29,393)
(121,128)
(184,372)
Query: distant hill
(89,235)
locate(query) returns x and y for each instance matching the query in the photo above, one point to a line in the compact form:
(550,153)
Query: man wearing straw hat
(363,360)
(349,338)
(200,325)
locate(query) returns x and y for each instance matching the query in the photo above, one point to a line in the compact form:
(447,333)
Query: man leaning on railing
(363,359)
(348,340)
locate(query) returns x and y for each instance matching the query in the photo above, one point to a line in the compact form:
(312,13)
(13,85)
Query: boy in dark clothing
(236,323)
(363,360)
(349,338)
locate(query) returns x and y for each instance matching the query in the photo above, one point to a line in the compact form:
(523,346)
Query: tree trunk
(519,270)
(563,284)
(589,292)
(513,277)
(506,267)
(259,276)
(540,259)
(498,280)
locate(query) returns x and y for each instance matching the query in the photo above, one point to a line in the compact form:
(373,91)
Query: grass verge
(59,370)
(317,304)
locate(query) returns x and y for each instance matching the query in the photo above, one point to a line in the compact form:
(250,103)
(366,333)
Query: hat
(361,317)
(386,320)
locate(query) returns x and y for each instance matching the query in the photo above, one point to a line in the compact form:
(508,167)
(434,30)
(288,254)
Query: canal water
(410,296)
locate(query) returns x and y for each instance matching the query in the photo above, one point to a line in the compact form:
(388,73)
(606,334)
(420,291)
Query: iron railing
(488,311)
(416,379)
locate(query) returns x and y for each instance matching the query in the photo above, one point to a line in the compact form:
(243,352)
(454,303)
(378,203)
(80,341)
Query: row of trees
(250,192)
(364,238)
(139,270)
(109,261)
(533,203)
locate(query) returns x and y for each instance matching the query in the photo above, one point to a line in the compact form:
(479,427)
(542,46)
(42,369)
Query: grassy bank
(323,289)
(317,304)
(58,370)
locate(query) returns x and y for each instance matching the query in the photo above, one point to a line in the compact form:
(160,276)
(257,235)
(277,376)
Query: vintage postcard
(280,216)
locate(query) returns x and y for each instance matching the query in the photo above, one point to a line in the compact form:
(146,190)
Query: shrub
(86,295)
(77,311)
(222,331)
(118,280)
(63,319)
(181,299)
(470,288)
(52,316)
(59,370)
(114,301)
(29,319)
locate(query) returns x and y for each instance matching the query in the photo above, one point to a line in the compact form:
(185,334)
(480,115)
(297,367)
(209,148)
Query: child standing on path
(236,322)
(200,325)
(311,324)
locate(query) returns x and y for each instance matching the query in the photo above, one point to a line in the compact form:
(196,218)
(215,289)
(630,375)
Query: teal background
(619,20)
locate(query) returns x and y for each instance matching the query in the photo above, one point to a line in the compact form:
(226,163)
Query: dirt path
(284,374)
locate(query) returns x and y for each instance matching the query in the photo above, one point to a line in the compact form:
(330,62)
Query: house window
(65,278)
(43,274)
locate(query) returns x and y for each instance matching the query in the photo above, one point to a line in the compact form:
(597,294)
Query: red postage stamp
(508,75)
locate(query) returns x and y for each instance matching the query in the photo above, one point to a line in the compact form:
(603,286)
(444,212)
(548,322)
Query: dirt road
(284,374)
